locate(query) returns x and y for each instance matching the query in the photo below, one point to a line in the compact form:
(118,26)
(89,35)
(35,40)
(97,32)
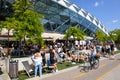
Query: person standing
(53,57)
(37,59)
(2,53)
(42,51)
(112,50)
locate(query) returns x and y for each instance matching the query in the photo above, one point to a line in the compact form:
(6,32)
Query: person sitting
(68,55)
(73,55)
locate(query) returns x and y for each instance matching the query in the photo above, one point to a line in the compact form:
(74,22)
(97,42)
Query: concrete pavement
(57,73)
(3,75)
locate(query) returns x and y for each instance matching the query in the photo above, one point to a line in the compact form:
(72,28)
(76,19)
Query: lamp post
(8,44)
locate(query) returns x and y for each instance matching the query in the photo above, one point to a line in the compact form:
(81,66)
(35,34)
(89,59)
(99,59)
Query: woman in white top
(37,59)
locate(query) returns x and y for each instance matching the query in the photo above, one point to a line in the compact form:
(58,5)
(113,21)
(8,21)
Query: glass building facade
(62,14)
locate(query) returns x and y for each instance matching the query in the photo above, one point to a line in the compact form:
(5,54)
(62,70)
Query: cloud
(96,4)
(115,21)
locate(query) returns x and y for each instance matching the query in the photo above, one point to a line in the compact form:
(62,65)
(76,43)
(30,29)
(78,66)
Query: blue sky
(107,11)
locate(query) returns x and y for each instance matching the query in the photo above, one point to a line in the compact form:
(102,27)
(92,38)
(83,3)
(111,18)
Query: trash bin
(13,69)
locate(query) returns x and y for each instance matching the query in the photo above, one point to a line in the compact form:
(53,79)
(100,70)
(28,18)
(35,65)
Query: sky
(107,11)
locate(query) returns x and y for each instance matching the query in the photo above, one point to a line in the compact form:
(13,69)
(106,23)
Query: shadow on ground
(1,71)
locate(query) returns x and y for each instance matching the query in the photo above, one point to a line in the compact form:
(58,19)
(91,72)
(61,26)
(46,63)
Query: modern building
(62,14)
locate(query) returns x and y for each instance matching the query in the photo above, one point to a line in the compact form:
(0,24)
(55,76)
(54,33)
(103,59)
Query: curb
(61,71)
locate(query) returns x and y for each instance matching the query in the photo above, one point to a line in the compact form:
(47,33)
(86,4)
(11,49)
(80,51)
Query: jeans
(36,69)
(15,52)
(91,58)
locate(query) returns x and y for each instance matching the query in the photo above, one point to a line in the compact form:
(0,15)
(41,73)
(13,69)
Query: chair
(27,67)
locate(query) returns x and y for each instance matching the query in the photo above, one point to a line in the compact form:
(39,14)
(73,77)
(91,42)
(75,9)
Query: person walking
(37,59)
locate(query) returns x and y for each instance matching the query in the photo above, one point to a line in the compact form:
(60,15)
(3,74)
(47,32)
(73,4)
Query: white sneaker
(56,70)
(73,63)
(53,71)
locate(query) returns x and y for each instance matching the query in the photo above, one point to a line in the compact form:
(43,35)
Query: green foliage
(30,26)
(75,32)
(101,36)
(115,35)
(9,23)
(0,27)
(25,22)
(22,74)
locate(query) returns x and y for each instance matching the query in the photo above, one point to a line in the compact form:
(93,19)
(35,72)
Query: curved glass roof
(82,13)
(61,14)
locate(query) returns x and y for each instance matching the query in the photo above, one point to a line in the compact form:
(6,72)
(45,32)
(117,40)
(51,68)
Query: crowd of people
(59,53)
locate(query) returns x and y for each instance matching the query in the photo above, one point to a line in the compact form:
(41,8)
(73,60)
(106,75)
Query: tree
(30,25)
(75,32)
(115,35)
(25,22)
(101,36)
(0,27)
(8,24)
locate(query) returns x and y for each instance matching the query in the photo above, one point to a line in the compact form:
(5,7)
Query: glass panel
(40,7)
(81,26)
(86,22)
(80,18)
(77,8)
(44,1)
(62,9)
(74,19)
(67,3)
(92,27)
(84,13)
(88,31)
(73,13)
(96,22)
(53,9)
(91,18)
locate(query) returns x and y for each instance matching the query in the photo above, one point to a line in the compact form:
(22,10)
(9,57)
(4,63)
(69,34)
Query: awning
(53,36)
(88,38)
(5,37)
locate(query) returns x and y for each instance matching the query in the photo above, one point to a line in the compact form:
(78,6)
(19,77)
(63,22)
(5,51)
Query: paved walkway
(52,74)
(3,73)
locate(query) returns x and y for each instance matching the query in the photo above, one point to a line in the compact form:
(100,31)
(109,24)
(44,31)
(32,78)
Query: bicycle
(94,64)
(86,65)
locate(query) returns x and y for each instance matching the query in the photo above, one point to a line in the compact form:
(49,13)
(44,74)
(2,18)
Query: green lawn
(118,51)
(23,75)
